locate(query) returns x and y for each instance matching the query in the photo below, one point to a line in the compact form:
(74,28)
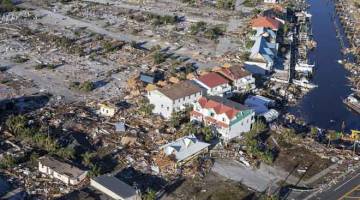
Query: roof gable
(180,90)
(234,72)
(212,80)
(222,106)
(266,22)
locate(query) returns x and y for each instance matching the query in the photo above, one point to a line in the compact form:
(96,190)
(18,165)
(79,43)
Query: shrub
(214,32)
(226,4)
(249,44)
(197,27)
(158,57)
(86,86)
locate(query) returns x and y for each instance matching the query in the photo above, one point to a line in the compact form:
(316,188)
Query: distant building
(174,98)
(62,171)
(151,78)
(265,22)
(241,79)
(270,1)
(185,148)
(214,84)
(107,109)
(114,188)
(229,118)
(261,106)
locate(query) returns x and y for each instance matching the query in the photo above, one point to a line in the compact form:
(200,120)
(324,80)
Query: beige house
(62,171)
(107,109)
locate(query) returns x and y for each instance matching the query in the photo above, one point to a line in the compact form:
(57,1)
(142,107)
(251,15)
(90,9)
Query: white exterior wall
(258,67)
(270,1)
(240,127)
(64,178)
(179,104)
(163,105)
(232,131)
(245,84)
(219,90)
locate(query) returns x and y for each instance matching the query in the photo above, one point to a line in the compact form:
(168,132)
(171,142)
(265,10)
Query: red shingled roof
(233,73)
(218,107)
(266,22)
(212,80)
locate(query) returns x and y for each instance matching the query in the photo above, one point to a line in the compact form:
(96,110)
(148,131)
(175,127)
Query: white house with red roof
(241,80)
(215,84)
(229,118)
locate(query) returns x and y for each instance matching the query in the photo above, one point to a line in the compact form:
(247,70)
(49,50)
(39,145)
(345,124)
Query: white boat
(304,83)
(304,67)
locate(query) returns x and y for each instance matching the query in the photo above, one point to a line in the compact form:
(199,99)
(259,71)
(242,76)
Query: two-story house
(229,118)
(215,84)
(241,79)
(174,97)
(262,56)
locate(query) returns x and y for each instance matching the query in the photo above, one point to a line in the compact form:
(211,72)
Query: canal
(323,106)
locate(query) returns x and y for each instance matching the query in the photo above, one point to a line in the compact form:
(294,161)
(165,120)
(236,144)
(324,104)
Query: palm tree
(189,128)
(16,124)
(175,119)
(258,127)
(87,158)
(95,170)
(207,132)
(150,195)
(331,136)
(67,153)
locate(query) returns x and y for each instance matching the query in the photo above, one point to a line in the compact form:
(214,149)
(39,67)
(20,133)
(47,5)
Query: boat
(340,61)
(353,102)
(304,83)
(304,67)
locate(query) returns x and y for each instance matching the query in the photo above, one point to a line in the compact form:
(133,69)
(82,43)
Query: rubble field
(297,157)
(211,187)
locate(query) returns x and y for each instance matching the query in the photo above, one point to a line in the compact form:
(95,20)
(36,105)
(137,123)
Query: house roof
(266,22)
(180,90)
(151,77)
(116,186)
(61,167)
(212,79)
(234,72)
(262,31)
(184,147)
(261,46)
(222,106)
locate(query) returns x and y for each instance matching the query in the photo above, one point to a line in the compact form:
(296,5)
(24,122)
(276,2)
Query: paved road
(347,189)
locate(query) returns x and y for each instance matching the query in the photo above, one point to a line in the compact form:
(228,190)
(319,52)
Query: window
(167,108)
(223,119)
(162,105)
(212,114)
